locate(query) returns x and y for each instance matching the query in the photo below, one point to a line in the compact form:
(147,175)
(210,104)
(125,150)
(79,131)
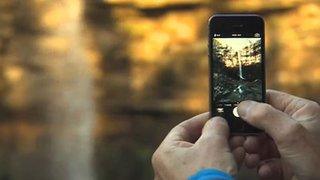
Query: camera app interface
(237,72)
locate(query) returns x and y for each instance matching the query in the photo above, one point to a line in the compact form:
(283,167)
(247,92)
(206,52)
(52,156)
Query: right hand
(293,123)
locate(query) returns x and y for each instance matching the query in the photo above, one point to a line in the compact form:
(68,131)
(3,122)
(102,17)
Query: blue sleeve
(210,174)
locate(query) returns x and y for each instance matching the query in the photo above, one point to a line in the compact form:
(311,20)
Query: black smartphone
(237,68)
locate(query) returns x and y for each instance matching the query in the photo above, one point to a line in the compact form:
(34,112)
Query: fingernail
(244,108)
(265,172)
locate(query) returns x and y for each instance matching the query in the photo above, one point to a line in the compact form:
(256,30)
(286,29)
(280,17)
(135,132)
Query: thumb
(276,123)
(291,138)
(215,133)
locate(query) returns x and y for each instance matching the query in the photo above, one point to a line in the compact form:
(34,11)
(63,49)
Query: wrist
(211,174)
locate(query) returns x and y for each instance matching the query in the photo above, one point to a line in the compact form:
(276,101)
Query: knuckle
(313,107)
(210,139)
(155,159)
(260,111)
(160,155)
(291,134)
(293,129)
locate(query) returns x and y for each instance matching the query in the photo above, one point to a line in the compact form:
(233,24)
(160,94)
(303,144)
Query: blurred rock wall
(161,46)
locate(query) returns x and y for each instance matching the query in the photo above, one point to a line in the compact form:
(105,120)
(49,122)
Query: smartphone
(237,68)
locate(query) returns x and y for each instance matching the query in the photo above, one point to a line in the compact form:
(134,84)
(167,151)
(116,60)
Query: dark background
(90,88)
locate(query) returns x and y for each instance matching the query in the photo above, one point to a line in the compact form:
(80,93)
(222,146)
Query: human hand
(293,124)
(196,144)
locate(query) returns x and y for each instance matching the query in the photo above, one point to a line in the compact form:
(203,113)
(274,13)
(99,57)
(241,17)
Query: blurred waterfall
(56,82)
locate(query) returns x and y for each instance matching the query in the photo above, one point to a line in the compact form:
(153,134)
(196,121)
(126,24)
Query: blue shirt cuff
(210,174)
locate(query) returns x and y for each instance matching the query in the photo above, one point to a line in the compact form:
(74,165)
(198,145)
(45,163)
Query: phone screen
(237,74)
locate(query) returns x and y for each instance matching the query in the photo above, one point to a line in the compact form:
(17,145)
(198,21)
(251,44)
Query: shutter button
(235,112)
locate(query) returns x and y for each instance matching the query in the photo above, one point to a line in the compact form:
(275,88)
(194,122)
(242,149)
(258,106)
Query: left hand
(196,144)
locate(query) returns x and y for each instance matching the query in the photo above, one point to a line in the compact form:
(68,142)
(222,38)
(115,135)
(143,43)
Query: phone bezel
(237,23)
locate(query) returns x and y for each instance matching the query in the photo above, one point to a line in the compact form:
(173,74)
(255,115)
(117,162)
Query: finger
(290,137)
(251,160)
(262,145)
(276,123)
(215,134)
(270,169)
(279,100)
(188,130)
(304,111)
(239,155)
(236,141)
(253,144)
(292,104)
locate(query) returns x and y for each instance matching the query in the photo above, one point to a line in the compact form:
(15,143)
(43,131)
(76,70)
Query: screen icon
(220,110)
